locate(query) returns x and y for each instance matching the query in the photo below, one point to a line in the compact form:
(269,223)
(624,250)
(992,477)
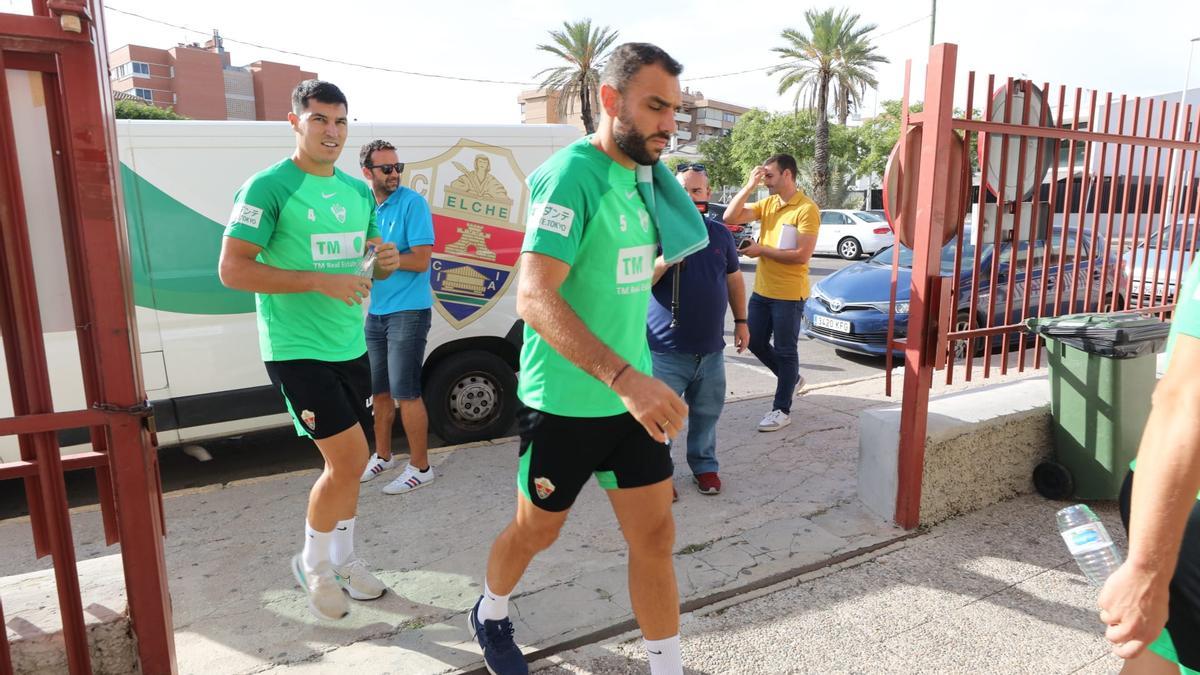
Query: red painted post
(101,236)
(933,184)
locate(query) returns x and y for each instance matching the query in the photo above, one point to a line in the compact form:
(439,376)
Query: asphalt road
(280,450)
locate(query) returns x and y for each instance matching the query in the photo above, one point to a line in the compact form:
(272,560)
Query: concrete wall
(35,629)
(981,447)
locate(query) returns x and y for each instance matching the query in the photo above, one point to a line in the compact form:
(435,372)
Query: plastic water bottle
(1089,543)
(366,268)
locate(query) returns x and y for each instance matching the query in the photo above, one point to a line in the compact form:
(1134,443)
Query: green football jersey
(313,224)
(585,210)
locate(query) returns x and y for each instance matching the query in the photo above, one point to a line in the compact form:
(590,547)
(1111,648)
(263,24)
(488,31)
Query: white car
(850,234)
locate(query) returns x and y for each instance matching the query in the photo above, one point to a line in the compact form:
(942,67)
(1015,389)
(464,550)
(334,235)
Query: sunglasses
(689,167)
(388,169)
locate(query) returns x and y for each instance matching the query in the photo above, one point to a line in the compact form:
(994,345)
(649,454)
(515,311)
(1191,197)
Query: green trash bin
(1102,375)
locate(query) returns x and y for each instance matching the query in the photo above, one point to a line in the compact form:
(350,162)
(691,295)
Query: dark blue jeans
(774,331)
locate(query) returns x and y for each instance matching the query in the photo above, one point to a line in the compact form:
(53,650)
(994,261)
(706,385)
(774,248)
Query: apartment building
(199,81)
(700,119)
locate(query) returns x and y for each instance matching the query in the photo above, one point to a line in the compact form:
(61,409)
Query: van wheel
(849,248)
(471,396)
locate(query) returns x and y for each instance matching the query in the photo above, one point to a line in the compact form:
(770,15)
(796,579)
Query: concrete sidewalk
(994,591)
(789,505)
(789,508)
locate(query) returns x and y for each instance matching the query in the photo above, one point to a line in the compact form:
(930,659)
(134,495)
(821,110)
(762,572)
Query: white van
(200,358)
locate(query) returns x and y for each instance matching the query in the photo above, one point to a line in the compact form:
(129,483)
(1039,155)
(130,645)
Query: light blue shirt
(405,221)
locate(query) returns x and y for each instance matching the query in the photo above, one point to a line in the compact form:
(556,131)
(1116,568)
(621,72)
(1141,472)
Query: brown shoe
(674,494)
(708,483)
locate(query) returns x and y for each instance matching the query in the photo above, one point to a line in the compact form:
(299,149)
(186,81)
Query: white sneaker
(376,466)
(325,597)
(774,421)
(799,387)
(410,480)
(357,580)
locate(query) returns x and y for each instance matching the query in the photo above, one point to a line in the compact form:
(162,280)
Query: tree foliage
(138,110)
(583,48)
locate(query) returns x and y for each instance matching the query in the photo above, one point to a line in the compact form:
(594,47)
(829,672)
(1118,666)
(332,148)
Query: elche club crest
(477,195)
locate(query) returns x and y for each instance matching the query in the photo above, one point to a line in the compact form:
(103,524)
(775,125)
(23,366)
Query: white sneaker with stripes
(410,480)
(376,466)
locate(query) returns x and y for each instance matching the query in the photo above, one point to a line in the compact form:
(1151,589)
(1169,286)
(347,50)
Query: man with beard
(295,238)
(398,320)
(591,404)
(790,221)
(686,329)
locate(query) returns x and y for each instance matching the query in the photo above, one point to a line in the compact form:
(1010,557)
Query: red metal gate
(1079,201)
(61,47)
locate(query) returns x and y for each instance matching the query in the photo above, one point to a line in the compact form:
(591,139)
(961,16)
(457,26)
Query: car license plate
(839,325)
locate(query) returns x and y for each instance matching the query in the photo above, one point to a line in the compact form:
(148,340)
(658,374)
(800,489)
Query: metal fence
(1035,200)
(59,50)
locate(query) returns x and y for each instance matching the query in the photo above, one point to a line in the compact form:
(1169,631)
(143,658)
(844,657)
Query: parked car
(850,233)
(1156,284)
(739,232)
(849,308)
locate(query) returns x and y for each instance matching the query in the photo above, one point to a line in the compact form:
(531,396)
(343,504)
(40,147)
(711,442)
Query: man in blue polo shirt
(686,324)
(398,320)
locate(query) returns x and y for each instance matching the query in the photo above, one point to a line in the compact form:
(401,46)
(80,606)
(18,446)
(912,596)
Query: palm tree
(814,62)
(584,48)
(855,74)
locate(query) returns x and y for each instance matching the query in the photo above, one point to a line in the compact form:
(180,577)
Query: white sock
(316,548)
(494,606)
(341,548)
(664,656)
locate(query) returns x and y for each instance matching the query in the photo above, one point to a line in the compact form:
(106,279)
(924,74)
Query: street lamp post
(1181,123)
(1181,129)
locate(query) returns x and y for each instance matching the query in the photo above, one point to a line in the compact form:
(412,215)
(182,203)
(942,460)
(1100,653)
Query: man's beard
(633,143)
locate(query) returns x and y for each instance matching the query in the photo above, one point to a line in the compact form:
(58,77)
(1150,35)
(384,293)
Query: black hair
(364,155)
(785,162)
(319,90)
(626,60)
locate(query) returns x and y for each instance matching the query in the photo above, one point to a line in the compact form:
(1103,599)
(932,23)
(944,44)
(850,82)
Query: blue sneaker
(500,653)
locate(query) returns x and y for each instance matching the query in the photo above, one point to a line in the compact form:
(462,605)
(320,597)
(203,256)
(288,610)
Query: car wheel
(1108,303)
(849,248)
(471,396)
(963,322)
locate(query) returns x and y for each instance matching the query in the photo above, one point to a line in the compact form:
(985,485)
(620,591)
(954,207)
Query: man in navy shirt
(686,325)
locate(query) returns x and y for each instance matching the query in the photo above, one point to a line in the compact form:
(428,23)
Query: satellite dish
(900,188)
(1021,94)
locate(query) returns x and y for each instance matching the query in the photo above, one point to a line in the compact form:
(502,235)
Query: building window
(140,68)
(730,117)
(121,71)
(144,94)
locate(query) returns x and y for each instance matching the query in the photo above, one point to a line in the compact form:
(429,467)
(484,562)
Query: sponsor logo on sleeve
(552,217)
(244,214)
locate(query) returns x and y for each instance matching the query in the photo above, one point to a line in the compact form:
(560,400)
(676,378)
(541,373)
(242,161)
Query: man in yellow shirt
(790,221)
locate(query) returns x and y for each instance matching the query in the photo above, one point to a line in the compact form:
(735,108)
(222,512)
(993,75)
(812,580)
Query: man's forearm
(545,311)
(737,204)
(787,257)
(255,277)
(414,262)
(1167,480)
(737,295)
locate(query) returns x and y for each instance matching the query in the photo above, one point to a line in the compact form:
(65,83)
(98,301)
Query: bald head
(696,184)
